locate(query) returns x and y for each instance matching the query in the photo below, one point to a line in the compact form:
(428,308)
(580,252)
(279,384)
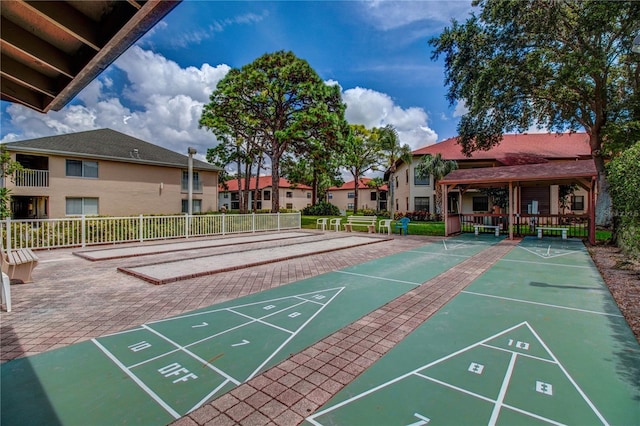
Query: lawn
(429,228)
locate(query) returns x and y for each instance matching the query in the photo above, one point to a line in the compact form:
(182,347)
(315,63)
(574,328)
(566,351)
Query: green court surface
(535,340)
(159,371)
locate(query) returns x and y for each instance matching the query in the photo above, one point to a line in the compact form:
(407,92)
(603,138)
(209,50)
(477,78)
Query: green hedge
(623,173)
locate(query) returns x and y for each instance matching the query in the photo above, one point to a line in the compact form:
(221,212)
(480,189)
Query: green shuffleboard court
(535,340)
(160,371)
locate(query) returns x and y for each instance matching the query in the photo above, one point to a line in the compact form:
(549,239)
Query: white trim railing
(92,230)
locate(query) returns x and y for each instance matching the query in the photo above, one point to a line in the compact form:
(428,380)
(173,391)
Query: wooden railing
(526,224)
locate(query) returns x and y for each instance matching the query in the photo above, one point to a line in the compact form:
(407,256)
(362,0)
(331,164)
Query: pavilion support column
(445,209)
(511,207)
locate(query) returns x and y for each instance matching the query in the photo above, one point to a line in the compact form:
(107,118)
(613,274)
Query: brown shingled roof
(555,172)
(514,149)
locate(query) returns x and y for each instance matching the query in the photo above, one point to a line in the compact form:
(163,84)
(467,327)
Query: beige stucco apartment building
(411,194)
(343,196)
(107,173)
(292,196)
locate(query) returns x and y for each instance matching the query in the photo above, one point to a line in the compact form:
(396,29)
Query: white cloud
(460,109)
(375,109)
(389,14)
(162,103)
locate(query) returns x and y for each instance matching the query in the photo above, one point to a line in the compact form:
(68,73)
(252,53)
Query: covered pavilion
(581,172)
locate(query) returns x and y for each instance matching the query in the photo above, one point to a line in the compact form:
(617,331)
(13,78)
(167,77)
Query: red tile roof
(263,182)
(552,171)
(514,149)
(362,184)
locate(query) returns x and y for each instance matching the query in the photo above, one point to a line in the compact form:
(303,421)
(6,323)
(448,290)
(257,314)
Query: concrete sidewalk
(72,300)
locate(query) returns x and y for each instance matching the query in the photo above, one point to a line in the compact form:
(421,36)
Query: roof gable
(107,144)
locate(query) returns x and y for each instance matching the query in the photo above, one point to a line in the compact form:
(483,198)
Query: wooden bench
(18,264)
(335,223)
(368,221)
(385,224)
(477,226)
(541,229)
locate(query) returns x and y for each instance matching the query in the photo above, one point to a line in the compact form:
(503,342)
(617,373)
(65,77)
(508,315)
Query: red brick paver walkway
(73,300)
(298,386)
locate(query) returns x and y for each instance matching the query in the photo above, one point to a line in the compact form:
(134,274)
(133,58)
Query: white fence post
(224,220)
(83,234)
(253,222)
(8,234)
(278,215)
(140,228)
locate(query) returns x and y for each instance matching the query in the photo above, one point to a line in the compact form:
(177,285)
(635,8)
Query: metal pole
(191,152)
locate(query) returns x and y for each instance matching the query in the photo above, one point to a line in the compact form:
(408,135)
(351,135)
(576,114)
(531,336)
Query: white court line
(503,390)
(568,376)
(196,357)
(257,370)
(378,278)
(209,395)
(311,418)
(541,304)
(547,255)
(543,263)
(454,387)
(537,358)
(139,382)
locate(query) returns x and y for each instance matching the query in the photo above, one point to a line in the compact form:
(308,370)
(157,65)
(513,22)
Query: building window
(407,201)
(197,206)
(266,195)
(577,202)
(351,195)
(374,196)
(225,195)
(80,206)
(480,204)
(418,181)
(197,185)
(421,204)
(330,196)
(289,206)
(79,168)
(397,182)
(289,194)
(349,206)
(308,195)
(406,176)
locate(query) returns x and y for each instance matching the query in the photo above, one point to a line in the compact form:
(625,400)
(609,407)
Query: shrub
(623,173)
(323,208)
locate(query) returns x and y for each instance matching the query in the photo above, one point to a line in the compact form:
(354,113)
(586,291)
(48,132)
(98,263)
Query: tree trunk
(275,184)
(603,206)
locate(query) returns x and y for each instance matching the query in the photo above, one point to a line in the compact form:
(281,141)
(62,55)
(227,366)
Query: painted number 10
(519,344)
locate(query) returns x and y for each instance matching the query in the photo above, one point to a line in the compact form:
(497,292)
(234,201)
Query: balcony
(31,178)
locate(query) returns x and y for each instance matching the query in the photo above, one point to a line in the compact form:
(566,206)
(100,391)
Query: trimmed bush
(323,208)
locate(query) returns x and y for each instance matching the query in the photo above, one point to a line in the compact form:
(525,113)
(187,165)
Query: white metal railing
(88,230)
(31,178)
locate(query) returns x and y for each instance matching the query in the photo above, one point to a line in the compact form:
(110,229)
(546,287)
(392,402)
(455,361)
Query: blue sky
(377,51)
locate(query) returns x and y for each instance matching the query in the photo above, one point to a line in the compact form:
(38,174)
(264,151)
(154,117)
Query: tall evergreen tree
(282,99)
